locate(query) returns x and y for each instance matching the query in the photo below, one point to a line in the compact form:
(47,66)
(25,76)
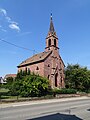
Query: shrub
(3,92)
(64,91)
(29,86)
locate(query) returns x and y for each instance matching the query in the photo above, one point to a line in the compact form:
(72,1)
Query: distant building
(9,75)
(2,81)
(48,63)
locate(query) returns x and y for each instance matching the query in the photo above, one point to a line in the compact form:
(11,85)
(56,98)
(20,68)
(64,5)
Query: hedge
(64,91)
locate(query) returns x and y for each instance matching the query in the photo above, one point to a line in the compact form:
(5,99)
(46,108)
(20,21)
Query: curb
(41,102)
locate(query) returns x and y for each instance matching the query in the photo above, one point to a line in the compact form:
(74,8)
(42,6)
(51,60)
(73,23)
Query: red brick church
(48,63)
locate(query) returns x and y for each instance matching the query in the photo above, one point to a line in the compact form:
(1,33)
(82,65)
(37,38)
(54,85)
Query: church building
(49,63)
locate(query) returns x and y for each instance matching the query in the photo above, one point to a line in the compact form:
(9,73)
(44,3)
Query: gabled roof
(10,75)
(35,59)
(62,60)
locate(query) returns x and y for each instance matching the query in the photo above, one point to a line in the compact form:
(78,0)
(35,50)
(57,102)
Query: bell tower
(51,39)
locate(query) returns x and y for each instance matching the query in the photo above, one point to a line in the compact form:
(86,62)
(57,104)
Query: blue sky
(26,23)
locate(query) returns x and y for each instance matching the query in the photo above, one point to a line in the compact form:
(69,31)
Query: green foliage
(19,74)
(9,80)
(35,85)
(64,91)
(3,92)
(77,77)
(29,85)
(15,88)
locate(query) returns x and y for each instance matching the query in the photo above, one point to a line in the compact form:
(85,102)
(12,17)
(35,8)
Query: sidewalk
(5,105)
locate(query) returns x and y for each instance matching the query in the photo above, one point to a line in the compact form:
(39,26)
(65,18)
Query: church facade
(48,63)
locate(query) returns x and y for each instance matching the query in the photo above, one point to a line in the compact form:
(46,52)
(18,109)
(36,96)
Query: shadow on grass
(57,116)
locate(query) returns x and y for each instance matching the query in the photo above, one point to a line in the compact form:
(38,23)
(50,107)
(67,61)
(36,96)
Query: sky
(24,25)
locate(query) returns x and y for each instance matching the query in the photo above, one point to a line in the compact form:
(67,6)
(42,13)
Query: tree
(77,77)
(29,85)
(15,88)
(86,83)
(35,85)
(9,82)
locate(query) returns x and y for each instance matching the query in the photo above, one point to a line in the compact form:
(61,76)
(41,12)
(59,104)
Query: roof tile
(36,58)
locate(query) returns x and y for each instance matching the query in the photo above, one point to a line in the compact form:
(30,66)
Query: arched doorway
(56,75)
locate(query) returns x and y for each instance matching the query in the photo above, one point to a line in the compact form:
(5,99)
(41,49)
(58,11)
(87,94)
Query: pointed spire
(51,29)
(51,16)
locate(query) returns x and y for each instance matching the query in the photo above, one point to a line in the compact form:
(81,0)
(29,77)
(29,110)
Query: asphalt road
(76,109)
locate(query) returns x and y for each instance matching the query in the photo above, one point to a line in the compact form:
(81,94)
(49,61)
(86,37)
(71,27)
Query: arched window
(48,76)
(26,70)
(37,68)
(48,65)
(55,42)
(49,42)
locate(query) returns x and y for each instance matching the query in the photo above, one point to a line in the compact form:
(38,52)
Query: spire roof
(51,29)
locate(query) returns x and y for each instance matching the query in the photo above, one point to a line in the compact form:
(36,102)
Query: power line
(17,45)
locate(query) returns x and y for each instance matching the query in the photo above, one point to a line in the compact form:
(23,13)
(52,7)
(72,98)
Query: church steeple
(51,39)
(51,29)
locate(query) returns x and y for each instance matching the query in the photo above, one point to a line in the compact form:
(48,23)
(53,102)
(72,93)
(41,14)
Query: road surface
(69,109)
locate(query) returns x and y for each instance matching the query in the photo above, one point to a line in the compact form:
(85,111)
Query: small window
(49,42)
(29,69)
(48,76)
(48,65)
(26,70)
(37,68)
(55,42)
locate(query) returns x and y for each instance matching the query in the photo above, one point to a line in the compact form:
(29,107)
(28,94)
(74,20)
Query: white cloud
(8,19)
(14,26)
(3,11)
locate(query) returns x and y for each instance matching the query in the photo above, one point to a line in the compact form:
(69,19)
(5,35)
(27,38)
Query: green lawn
(3,90)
